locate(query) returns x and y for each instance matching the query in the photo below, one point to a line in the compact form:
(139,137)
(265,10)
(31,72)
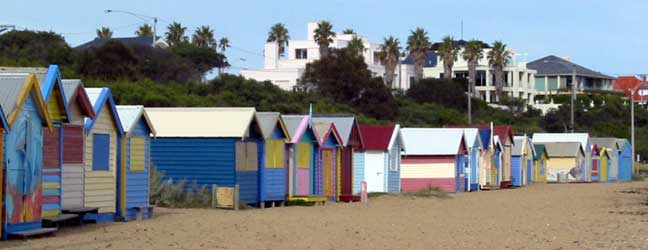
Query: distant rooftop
(97,42)
(430,60)
(553,65)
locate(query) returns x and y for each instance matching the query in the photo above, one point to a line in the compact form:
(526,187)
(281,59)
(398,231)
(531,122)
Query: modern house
(519,80)
(554,75)
(627,84)
(286,70)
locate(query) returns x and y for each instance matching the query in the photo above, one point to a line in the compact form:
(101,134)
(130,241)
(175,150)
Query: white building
(286,71)
(519,81)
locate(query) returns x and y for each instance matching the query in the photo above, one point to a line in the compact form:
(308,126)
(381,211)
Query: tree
(390,56)
(442,91)
(279,34)
(204,37)
(26,48)
(223,44)
(418,44)
(348,32)
(176,34)
(112,61)
(448,54)
(356,45)
(472,52)
(324,37)
(204,59)
(144,31)
(104,33)
(498,57)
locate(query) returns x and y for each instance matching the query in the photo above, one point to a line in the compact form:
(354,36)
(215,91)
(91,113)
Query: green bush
(167,194)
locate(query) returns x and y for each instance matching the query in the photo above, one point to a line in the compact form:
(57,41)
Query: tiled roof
(553,65)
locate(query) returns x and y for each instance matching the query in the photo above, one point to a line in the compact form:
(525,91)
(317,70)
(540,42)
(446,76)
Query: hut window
(303,155)
(100,152)
(274,154)
(137,154)
(246,156)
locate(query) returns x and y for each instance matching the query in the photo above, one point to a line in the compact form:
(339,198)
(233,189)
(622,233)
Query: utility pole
(573,96)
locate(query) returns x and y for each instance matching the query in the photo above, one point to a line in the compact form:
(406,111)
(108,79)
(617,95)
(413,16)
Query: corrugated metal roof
(563,149)
(432,141)
(622,141)
(583,138)
(129,115)
(539,149)
(293,124)
(201,122)
(519,143)
(70,86)
(376,137)
(39,72)
(11,84)
(98,97)
(268,121)
(608,142)
(343,123)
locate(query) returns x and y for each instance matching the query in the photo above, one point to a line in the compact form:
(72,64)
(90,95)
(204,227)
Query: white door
(375,171)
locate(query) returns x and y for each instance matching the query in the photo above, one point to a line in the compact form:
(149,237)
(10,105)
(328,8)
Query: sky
(607,36)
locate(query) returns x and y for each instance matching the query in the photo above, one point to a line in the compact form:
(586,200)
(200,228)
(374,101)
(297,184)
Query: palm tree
(418,44)
(323,37)
(144,31)
(204,37)
(448,51)
(223,44)
(279,34)
(104,33)
(498,57)
(390,55)
(356,45)
(348,32)
(176,34)
(473,51)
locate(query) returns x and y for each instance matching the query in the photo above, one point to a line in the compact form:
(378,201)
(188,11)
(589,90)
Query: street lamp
(140,16)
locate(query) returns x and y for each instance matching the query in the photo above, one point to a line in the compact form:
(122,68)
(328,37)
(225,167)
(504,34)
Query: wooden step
(81,210)
(32,233)
(55,221)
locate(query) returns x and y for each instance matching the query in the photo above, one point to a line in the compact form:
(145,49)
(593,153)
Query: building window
(301,54)
(376,58)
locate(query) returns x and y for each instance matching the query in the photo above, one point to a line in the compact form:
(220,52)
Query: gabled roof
(497,141)
(296,125)
(518,148)
(553,65)
(15,89)
(433,141)
(52,80)
(98,97)
(582,138)
(622,142)
(540,149)
(499,130)
(380,137)
(74,91)
(268,121)
(346,125)
(129,115)
(485,135)
(323,130)
(430,59)
(563,149)
(202,122)
(97,42)
(606,142)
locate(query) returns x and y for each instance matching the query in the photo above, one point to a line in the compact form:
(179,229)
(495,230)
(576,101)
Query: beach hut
(565,161)
(208,146)
(349,132)
(102,144)
(434,158)
(521,162)
(540,163)
(329,160)
(54,96)
(378,162)
(303,152)
(4,126)
(604,156)
(472,166)
(73,172)
(497,160)
(135,163)
(273,170)
(625,160)
(585,172)
(596,163)
(611,146)
(22,155)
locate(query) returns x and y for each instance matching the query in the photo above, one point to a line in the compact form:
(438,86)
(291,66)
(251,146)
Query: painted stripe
(428,159)
(51,185)
(438,170)
(50,199)
(51,178)
(52,206)
(416,184)
(51,173)
(50,213)
(51,192)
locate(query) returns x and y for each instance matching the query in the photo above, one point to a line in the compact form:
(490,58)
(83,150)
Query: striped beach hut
(54,95)
(565,161)
(434,158)
(22,156)
(499,152)
(378,162)
(522,161)
(596,163)
(585,172)
(135,163)
(540,163)
(329,160)
(349,131)
(208,146)
(489,172)
(506,142)
(102,144)
(273,170)
(73,172)
(302,158)
(625,160)
(611,146)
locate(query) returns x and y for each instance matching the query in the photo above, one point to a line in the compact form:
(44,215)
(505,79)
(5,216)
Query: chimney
(312,26)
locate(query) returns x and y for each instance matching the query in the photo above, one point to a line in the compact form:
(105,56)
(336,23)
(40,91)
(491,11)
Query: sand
(556,216)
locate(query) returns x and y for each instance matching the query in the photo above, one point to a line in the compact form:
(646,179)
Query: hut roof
(202,122)
(296,125)
(563,149)
(74,88)
(520,145)
(268,121)
(607,142)
(15,89)
(540,150)
(582,138)
(98,97)
(130,114)
(433,141)
(345,124)
(622,142)
(53,79)
(380,137)
(323,129)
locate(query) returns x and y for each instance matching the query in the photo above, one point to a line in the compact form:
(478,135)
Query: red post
(363,192)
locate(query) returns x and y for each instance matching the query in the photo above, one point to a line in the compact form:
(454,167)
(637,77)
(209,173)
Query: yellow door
(327,169)
(603,170)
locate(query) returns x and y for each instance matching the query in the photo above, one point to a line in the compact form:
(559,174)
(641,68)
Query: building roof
(625,84)
(433,141)
(268,121)
(553,65)
(202,122)
(430,59)
(129,115)
(345,124)
(540,149)
(98,97)
(499,130)
(519,144)
(380,137)
(563,149)
(15,89)
(622,142)
(296,125)
(97,42)
(485,135)
(323,129)
(53,79)
(74,88)
(607,142)
(582,138)
(39,72)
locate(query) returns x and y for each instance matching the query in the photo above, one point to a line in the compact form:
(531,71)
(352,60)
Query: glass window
(301,54)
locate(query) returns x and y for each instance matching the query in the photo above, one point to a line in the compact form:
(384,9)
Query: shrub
(168,194)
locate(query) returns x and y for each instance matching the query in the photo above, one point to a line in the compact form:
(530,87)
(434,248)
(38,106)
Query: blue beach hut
(274,165)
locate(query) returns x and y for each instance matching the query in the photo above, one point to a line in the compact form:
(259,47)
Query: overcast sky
(608,36)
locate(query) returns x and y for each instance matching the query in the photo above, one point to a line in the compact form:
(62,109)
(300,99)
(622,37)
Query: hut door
(327,169)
